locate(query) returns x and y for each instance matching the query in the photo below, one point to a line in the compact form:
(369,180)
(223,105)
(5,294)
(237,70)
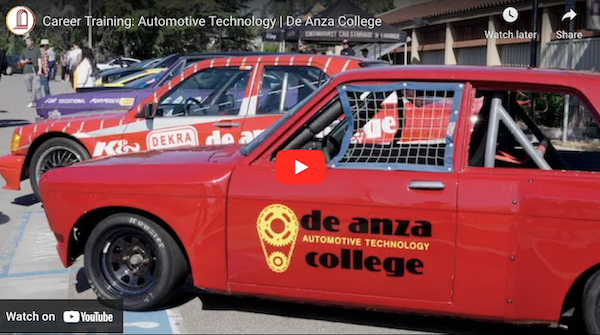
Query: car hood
(177,156)
(183,172)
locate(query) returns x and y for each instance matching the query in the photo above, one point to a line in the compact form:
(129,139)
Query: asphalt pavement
(30,269)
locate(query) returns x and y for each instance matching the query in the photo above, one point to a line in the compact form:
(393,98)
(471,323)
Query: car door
(382,223)
(279,88)
(206,108)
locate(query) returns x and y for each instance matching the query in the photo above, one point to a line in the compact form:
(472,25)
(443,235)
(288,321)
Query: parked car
(13,65)
(136,77)
(95,99)
(215,101)
(110,75)
(117,62)
(435,225)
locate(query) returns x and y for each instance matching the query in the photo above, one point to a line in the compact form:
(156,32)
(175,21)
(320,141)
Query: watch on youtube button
(300,167)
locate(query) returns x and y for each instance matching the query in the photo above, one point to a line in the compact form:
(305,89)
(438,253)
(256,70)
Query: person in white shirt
(73,59)
(86,72)
(52,63)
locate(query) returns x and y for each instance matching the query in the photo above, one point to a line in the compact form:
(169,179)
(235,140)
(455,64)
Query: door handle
(426,185)
(226,124)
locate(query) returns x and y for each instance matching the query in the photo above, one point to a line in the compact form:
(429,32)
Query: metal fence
(471,56)
(514,54)
(433,57)
(585,54)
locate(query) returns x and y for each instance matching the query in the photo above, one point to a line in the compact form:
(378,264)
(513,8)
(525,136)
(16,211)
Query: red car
(461,203)
(218,101)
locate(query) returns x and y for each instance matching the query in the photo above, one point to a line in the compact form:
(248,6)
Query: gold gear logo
(277,260)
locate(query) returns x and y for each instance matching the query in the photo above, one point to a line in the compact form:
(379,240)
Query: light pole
(90,26)
(534,24)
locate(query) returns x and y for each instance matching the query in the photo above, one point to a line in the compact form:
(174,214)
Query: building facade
(454,32)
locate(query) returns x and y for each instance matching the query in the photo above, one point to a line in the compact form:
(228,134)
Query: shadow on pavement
(371,318)
(13,123)
(4,218)
(3,111)
(82,284)
(26,200)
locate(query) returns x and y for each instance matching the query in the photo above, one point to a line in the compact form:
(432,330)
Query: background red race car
(433,219)
(218,101)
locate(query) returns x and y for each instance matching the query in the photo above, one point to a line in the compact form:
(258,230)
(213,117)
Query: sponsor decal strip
(278,245)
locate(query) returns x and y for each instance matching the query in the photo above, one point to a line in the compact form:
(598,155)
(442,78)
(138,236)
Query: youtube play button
(300,167)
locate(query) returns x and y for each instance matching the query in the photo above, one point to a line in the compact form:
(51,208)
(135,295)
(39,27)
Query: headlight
(14,142)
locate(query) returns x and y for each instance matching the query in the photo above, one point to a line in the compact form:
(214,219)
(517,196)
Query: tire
(9,71)
(590,304)
(148,248)
(54,146)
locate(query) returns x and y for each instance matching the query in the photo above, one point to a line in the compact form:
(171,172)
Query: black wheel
(54,153)
(132,258)
(590,305)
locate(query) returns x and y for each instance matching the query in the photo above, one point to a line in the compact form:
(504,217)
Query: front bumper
(11,168)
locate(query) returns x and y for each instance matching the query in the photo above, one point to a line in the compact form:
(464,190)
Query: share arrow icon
(569,15)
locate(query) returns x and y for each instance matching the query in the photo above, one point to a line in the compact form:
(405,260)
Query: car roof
(296,56)
(472,73)
(585,82)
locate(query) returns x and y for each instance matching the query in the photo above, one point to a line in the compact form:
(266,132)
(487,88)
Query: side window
(536,130)
(284,86)
(397,126)
(209,92)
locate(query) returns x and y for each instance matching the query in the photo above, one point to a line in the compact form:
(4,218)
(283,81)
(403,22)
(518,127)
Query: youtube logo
(300,167)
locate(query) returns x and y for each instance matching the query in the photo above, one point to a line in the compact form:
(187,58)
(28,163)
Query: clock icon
(510,14)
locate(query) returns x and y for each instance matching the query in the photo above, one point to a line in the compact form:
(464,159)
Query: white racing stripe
(327,65)
(346,65)
(158,123)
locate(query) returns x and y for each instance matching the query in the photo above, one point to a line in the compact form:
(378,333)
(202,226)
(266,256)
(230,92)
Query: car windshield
(248,148)
(144,81)
(145,63)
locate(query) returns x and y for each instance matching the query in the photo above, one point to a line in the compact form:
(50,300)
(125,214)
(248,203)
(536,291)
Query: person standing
(31,61)
(45,67)
(52,63)
(73,60)
(302,47)
(3,63)
(346,50)
(64,62)
(365,52)
(86,72)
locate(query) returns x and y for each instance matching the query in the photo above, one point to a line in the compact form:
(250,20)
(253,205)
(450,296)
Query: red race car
(443,194)
(218,101)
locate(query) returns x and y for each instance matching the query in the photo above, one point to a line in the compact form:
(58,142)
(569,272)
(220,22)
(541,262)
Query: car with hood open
(443,194)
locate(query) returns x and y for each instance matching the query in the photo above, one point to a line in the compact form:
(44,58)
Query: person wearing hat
(365,52)
(346,50)
(31,61)
(44,72)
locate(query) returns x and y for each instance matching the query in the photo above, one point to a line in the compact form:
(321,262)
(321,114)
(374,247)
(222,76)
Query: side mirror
(149,111)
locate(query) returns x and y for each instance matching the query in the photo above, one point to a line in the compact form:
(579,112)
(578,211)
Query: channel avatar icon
(20,20)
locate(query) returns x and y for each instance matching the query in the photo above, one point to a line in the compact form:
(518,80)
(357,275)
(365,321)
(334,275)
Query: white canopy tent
(378,50)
